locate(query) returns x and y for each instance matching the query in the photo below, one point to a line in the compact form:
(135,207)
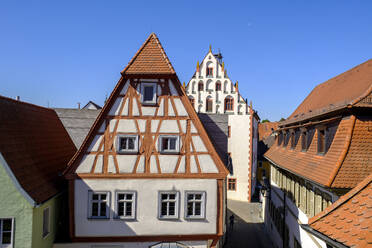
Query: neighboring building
(230,122)
(92,106)
(347,222)
(322,151)
(147,174)
(266,134)
(34,151)
(77,122)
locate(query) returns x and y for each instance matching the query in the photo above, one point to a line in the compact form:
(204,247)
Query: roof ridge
(25,103)
(343,199)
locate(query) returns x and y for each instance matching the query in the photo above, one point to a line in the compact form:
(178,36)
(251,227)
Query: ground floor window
(231,185)
(6,232)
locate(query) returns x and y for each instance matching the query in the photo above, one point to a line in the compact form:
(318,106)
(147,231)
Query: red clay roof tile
(351,217)
(36,147)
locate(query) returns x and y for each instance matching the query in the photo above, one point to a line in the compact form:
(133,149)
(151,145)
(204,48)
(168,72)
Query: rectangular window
(126,205)
(148,93)
(209,105)
(169,144)
(168,205)
(231,184)
(127,143)
(218,86)
(6,232)
(209,71)
(321,141)
(304,141)
(195,205)
(99,205)
(46,222)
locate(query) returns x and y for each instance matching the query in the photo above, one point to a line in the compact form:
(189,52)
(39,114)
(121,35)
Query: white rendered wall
(294,217)
(254,154)
(147,222)
(193,244)
(238,146)
(209,90)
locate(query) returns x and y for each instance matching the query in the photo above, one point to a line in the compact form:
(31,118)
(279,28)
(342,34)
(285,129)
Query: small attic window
(148,93)
(127,144)
(169,144)
(321,141)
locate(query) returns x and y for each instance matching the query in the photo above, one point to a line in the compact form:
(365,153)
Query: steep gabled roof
(344,90)
(92,103)
(348,220)
(35,146)
(140,67)
(150,59)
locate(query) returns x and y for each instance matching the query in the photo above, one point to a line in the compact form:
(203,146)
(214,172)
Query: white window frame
(47,233)
(91,201)
(133,201)
(11,233)
(177,205)
(203,202)
(177,150)
(154,95)
(120,136)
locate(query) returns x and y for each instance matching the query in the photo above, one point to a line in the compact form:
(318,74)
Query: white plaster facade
(146,222)
(242,122)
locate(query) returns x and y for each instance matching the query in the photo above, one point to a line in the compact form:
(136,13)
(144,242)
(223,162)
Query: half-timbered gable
(147,141)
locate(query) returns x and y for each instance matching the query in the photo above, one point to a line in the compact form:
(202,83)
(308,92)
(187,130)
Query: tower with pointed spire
(219,103)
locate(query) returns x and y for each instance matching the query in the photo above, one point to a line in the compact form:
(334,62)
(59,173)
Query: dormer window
(321,140)
(304,141)
(293,141)
(148,93)
(209,71)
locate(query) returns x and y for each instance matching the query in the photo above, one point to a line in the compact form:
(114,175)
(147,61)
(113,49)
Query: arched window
(218,86)
(200,86)
(209,104)
(225,85)
(192,100)
(209,85)
(229,103)
(193,86)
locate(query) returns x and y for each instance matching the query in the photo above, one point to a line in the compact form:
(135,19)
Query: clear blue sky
(64,52)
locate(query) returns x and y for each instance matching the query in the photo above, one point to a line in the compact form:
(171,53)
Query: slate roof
(343,90)
(348,220)
(35,146)
(150,59)
(77,122)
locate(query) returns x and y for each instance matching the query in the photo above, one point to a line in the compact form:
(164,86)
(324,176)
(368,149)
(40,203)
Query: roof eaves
(323,237)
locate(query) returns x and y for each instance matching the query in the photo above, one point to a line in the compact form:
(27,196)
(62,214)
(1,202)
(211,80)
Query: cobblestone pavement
(248,228)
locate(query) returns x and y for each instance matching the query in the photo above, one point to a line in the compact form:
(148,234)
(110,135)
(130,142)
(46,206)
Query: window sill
(130,219)
(202,218)
(170,153)
(168,218)
(127,152)
(98,218)
(146,104)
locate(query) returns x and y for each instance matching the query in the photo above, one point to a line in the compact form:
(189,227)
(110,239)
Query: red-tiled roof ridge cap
(342,200)
(292,117)
(151,36)
(25,103)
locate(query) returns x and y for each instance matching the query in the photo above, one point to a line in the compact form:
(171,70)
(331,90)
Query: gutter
(323,237)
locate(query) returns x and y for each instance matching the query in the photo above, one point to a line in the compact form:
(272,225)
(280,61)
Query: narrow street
(248,228)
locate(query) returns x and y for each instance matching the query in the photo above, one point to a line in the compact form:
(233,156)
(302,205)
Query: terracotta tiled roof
(348,220)
(347,161)
(150,59)
(345,89)
(266,129)
(36,147)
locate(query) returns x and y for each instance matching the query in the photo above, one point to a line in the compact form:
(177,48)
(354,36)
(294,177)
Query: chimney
(78,105)
(18,98)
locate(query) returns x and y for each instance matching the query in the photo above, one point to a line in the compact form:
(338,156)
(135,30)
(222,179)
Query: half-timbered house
(147,174)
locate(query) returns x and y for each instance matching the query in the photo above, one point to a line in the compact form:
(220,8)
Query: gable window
(6,232)
(126,205)
(169,144)
(195,205)
(168,205)
(200,86)
(209,104)
(218,86)
(99,205)
(231,184)
(229,103)
(127,143)
(148,93)
(321,141)
(192,100)
(209,71)
(46,222)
